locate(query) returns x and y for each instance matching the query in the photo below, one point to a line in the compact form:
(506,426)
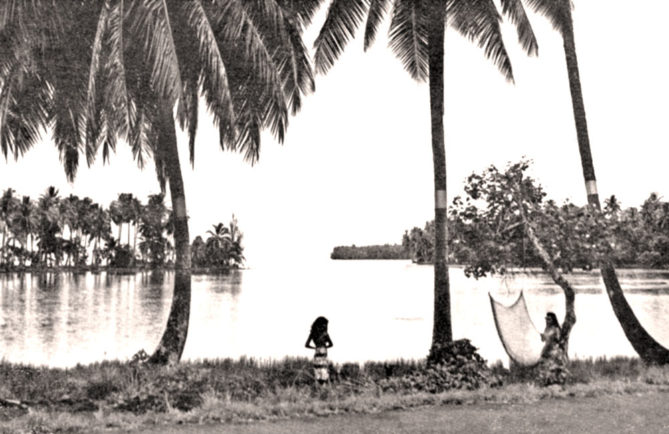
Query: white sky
(356,166)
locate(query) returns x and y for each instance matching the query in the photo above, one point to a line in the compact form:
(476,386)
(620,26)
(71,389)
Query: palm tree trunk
(442,329)
(173,340)
(644,344)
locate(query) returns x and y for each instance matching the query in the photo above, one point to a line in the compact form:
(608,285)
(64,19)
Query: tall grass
(122,394)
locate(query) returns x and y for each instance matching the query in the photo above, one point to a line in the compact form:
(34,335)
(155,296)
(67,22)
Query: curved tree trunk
(442,328)
(173,340)
(558,278)
(644,344)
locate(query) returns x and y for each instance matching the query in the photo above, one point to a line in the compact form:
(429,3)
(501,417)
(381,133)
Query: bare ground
(630,413)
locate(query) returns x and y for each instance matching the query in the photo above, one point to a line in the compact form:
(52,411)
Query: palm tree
(50,220)
(218,245)
(99,227)
(559,13)
(101,70)
(8,204)
(116,214)
(417,30)
(26,223)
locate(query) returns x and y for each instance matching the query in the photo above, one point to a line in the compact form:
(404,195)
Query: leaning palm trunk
(173,340)
(644,344)
(442,329)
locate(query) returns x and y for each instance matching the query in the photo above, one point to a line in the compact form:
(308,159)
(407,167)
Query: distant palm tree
(8,204)
(559,12)
(99,70)
(50,221)
(116,214)
(26,222)
(99,227)
(417,30)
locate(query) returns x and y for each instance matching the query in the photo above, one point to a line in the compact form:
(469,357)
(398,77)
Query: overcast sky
(356,165)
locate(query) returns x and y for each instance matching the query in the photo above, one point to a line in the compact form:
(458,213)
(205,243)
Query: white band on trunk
(440,199)
(180,207)
(591,187)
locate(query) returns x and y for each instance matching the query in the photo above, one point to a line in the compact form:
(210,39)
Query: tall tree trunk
(134,242)
(173,340)
(120,228)
(442,329)
(644,344)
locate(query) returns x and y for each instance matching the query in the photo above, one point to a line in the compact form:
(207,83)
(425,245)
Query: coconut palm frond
(408,36)
(25,106)
(516,12)
(294,67)
(377,10)
(151,23)
(479,21)
(92,121)
(251,51)
(343,18)
(302,10)
(116,91)
(215,86)
(558,12)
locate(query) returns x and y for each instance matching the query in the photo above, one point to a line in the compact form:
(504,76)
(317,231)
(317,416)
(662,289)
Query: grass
(126,395)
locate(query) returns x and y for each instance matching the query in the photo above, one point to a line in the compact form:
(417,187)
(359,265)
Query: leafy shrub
(454,365)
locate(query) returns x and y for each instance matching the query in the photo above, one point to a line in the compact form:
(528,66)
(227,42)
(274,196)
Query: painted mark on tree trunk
(180,207)
(591,187)
(440,199)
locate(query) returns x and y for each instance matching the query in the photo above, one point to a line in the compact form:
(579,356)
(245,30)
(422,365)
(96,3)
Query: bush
(454,365)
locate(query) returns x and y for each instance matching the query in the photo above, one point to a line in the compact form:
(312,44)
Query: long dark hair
(319,327)
(552,320)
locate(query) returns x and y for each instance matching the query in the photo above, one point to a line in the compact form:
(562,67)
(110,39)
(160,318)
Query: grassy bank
(126,395)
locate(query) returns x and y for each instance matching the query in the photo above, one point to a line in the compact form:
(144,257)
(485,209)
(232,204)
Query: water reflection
(377,309)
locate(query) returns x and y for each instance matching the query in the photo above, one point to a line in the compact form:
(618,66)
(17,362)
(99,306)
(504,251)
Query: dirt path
(647,413)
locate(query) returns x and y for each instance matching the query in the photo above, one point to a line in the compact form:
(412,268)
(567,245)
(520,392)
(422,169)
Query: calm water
(378,310)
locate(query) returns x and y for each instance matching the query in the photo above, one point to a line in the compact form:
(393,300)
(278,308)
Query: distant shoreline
(112,270)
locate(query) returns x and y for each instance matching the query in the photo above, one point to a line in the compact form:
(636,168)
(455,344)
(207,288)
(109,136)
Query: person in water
(321,342)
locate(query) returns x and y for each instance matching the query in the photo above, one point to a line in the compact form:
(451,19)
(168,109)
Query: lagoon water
(378,310)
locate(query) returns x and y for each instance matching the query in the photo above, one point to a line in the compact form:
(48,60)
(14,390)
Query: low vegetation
(385,251)
(129,395)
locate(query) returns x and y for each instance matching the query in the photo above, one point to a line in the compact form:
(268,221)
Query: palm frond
(151,23)
(479,21)
(408,36)
(295,67)
(377,10)
(302,10)
(116,91)
(558,12)
(343,18)
(516,12)
(215,86)
(25,104)
(92,123)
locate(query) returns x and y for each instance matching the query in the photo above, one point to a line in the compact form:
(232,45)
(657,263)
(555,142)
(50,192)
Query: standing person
(321,339)
(552,368)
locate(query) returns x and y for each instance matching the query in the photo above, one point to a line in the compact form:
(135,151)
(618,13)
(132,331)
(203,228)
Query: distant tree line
(635,237)
(385,251)
(55,231)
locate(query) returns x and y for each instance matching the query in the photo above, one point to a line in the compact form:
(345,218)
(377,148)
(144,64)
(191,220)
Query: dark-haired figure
(553,362)
(321,342)
(551,337)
